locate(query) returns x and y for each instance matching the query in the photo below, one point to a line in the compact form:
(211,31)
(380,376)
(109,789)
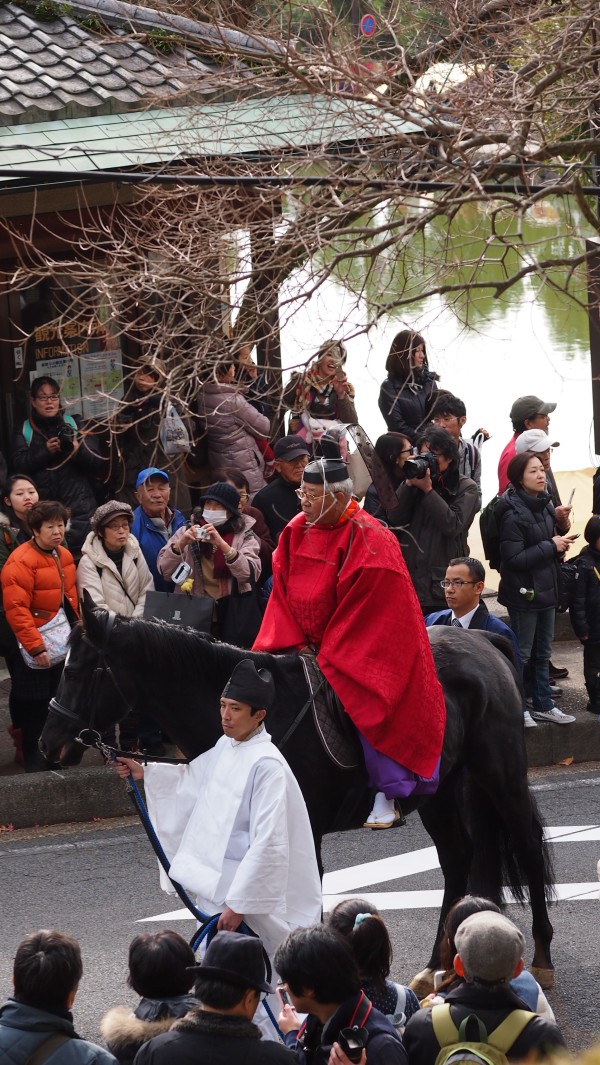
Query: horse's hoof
(422,983)
(544,977)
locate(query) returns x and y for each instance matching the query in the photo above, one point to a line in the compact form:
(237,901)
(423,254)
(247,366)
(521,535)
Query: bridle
(89,736)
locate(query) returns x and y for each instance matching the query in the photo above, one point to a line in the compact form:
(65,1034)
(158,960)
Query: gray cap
(528,406)
(490,947)
(108,511)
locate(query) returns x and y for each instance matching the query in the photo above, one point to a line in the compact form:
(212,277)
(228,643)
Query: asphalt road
(99,881)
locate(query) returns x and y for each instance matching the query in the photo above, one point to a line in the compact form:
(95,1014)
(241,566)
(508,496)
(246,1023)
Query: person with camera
(321,977)
(51,448)
(219,551)
(436,507)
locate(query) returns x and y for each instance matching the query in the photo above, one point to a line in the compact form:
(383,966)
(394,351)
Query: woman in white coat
(112,567)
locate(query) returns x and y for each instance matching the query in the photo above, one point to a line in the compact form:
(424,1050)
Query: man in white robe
(234,824)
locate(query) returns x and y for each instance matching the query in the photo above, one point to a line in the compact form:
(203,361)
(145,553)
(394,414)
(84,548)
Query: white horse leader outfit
(235,828)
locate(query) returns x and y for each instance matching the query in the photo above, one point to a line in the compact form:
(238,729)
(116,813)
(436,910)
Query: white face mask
(214,517)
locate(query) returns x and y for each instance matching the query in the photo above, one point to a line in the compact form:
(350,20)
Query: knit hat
(534,440)
(107,512)
(223,493)
(235,959)
(490,947)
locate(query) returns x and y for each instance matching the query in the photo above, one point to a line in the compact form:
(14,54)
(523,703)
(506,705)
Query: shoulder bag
(239,615)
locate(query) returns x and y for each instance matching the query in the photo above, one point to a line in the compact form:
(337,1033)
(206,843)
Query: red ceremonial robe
(346,590)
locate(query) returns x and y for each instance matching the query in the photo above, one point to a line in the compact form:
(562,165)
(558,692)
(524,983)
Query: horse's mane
(180,648)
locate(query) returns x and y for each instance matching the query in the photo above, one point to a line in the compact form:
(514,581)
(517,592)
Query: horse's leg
(511,836)
(441,818)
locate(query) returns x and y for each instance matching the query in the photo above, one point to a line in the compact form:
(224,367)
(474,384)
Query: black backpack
(490,533)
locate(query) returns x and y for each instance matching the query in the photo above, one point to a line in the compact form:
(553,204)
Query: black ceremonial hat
(325,471)
(250,685)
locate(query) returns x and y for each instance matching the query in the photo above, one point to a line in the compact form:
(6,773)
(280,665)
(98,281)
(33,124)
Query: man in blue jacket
(37,1021)
(153,521)
(463,586)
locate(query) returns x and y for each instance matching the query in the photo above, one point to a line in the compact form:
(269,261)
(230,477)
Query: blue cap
(145,475)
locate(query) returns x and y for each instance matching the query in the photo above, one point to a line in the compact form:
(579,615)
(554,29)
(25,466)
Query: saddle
(334,728)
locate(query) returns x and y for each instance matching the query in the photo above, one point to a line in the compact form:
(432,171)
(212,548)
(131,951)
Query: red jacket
(347,591)
(32,582)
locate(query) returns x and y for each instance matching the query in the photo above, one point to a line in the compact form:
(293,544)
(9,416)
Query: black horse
(482,820)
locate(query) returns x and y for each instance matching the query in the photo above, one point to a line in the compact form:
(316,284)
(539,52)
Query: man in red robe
(340,585)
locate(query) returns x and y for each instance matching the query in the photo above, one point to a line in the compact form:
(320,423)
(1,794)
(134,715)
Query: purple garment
(393,779)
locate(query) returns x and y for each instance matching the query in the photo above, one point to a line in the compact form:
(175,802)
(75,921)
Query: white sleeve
(171,794)
(261,879)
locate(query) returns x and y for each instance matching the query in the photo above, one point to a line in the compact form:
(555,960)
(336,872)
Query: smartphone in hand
(282,995)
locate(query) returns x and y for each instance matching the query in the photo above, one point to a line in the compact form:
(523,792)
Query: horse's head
(90,698)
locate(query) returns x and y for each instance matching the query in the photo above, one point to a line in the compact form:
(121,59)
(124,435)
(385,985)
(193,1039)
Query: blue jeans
(528,625)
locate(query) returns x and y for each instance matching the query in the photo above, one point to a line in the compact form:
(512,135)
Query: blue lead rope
(208,924)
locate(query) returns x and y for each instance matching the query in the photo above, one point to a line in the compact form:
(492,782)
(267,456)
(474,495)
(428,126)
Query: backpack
(488,1049)
(28,428)
(568,575)
(490,533)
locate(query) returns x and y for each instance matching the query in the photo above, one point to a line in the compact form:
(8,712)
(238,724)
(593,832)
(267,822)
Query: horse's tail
(508,846)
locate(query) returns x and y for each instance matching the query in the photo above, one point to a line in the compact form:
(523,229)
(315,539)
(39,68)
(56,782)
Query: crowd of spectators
(137,521)
(337,1003)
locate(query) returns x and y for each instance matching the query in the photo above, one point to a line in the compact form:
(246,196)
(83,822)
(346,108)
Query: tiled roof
(242,127)
(64,69)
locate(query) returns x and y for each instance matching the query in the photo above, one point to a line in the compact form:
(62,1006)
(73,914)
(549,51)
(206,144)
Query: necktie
(456,623)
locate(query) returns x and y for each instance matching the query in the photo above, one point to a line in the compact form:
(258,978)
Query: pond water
(532,340)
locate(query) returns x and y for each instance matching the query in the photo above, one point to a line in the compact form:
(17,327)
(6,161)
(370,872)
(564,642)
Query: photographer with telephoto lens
(436,507)
(64,462)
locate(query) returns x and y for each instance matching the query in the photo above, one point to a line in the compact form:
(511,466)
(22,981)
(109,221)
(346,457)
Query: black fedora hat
(236,959)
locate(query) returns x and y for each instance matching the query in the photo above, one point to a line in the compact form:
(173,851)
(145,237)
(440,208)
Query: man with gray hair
(341,588)
(489,955)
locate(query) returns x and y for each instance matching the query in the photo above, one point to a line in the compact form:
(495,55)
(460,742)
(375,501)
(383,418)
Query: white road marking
(345,883)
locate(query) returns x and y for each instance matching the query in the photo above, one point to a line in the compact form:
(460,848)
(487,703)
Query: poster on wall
(85,360)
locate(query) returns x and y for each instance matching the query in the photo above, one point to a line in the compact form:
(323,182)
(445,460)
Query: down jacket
(404,402)
(23,1029)
(32,581)
(232,426)
(245,542)
(528,556)
(584,611)
(123,592)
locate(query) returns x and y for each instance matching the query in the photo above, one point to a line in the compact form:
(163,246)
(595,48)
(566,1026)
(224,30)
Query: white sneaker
(528,720)
(556,716)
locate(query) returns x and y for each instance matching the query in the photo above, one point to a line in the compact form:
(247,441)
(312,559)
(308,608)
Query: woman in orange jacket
(37,579)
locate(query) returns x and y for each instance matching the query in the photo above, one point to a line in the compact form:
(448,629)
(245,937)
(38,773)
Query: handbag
(177,609)
(55,634)
(239,615)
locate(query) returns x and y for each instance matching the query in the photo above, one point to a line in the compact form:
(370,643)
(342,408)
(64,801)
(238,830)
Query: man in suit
(463,586)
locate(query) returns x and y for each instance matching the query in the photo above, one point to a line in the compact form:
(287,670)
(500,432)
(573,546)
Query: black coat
(214,1039)
(384,1046)
(278,503)
(584,611)
(68,477)
(492,1007)
(528,557)
(436,526)
(404,402)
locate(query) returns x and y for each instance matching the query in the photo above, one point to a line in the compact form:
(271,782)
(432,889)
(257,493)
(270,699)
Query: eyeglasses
(307,495)
(457,582)
(47,396)
(406,451)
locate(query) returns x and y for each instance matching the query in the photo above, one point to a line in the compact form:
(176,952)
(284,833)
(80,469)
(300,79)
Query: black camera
(416,469)
(65,434)
(353,1041)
